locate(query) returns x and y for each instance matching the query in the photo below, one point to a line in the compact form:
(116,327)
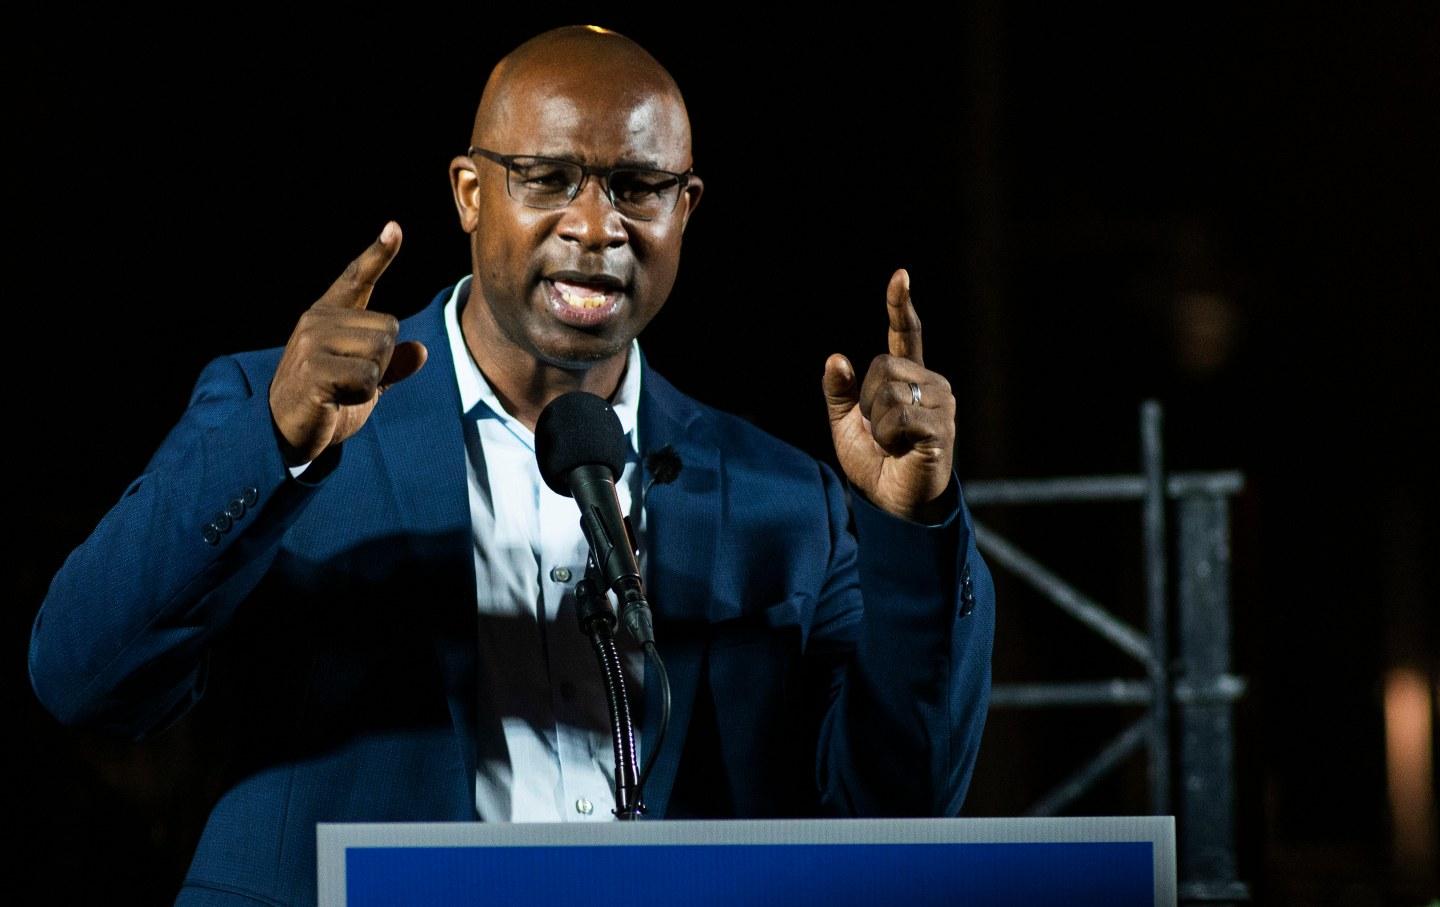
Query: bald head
(575,195)
(592,66)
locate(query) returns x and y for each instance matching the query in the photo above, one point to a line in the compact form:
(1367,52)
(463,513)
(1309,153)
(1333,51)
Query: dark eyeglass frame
(682,180)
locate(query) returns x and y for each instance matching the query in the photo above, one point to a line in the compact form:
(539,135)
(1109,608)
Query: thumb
(842,393)
(405,361)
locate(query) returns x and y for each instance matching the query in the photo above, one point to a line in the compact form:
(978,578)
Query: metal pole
(1156,595)
(1205,832)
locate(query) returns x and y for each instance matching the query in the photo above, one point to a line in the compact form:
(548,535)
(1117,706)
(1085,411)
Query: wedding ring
(914,392)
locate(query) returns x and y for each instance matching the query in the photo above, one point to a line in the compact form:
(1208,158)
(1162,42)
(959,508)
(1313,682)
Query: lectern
(981,862)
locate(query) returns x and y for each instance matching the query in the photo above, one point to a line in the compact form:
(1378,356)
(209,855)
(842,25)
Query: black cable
(654,750)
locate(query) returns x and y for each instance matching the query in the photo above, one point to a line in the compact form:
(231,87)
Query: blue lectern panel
(1099,874)
(1076,862)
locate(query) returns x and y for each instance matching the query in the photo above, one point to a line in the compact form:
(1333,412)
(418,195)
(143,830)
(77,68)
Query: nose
(591,220)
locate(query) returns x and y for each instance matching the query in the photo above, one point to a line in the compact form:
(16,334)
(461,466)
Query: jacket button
(236,509)
(221,521)
(967,592)
(250,496)
(211,535)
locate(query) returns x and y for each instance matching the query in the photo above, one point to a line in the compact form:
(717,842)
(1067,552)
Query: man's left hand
(894,432)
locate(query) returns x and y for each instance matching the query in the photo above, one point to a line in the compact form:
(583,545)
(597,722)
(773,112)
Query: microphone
(580,448)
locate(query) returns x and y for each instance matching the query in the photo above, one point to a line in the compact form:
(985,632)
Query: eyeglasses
(545,182)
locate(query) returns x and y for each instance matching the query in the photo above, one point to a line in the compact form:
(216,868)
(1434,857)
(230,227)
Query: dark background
(1230,210)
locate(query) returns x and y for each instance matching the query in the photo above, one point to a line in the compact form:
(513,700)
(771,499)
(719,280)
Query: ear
(465,185)
(693,191)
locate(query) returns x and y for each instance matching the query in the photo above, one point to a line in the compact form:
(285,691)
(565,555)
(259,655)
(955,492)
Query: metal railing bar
(1115,692)
(1225,688)
(1095,489)
(1206,484)
(1114,752)
(1065,596)
(1054,491)
(1076,693)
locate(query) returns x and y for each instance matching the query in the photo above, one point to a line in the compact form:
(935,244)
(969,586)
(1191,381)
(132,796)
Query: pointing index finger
(904,323)
(352,288)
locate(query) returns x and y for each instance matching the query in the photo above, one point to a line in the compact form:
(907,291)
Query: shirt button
(560,574)
(584,807)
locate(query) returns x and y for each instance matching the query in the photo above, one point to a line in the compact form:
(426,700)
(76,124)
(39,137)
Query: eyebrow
(622,164)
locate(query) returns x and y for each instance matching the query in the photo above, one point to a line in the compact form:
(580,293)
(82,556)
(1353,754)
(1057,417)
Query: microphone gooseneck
(581,451)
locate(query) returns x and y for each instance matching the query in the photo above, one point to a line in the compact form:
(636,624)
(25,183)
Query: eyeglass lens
(544,183)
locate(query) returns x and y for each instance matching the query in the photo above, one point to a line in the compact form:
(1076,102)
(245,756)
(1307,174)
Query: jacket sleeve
(910,699)
(122,638)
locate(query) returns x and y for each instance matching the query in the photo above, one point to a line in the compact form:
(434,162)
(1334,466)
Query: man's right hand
(340,359)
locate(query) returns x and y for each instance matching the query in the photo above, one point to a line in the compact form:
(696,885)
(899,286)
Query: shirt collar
(477,397)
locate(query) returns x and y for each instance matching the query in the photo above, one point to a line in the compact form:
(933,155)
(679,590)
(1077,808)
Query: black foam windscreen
(578,429)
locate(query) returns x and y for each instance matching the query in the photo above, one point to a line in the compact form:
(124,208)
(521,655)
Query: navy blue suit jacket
(825,659)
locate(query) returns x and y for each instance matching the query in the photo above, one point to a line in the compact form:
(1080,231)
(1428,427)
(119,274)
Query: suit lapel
(419,433)
(682,520)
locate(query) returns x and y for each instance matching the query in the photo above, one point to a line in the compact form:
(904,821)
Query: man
(344,554)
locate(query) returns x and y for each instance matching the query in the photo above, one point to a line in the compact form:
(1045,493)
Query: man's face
(571,287)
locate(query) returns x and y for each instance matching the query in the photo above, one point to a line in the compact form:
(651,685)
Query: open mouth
(583,303)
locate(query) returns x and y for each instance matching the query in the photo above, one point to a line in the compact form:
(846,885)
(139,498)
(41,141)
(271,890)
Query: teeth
(584,302)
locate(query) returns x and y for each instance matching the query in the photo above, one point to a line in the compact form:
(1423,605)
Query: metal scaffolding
(1188,695)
